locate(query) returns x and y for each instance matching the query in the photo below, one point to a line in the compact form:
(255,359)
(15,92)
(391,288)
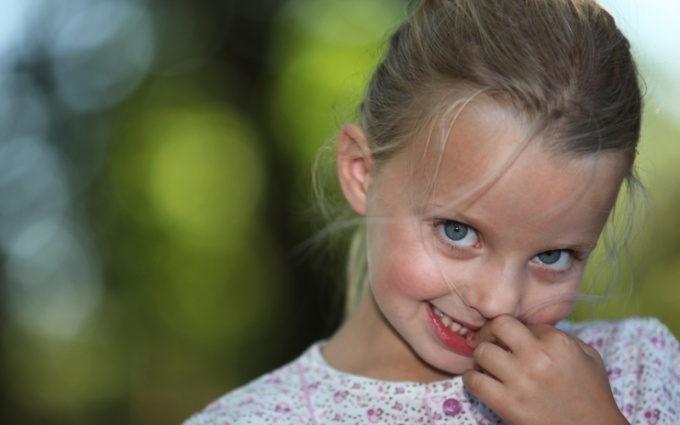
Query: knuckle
(589,349)
(557,338)
(472,380)
(480,351)
(564,340)
(542,363)
(503,321)
(500,324)
(541,329)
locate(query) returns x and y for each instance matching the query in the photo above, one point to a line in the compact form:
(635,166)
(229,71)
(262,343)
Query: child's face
(482,246)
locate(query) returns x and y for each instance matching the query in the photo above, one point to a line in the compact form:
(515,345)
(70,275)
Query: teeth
(449,323)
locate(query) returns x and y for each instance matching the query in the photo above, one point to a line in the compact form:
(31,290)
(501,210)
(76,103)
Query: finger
(547,332)
(540,330)
(589,350)
(484,387)
(494,361)
(504,330)
(489,332)
(481,384)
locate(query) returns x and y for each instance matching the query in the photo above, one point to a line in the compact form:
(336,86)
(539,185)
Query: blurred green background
(154,189)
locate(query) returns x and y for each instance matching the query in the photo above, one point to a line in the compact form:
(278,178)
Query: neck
(367,345)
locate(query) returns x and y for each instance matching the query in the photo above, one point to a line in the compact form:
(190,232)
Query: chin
(458,369)
(449,364)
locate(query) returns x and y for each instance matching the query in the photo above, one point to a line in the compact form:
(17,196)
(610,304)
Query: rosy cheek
(413,272)
(414,275)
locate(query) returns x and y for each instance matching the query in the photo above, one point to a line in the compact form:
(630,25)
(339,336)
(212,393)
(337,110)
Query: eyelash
(571,260)
(574,256)
(441,232)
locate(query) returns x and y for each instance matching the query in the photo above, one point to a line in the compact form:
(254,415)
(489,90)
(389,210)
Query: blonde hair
(563,65)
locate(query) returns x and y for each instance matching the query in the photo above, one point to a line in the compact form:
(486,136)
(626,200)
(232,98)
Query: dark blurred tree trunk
(245,47)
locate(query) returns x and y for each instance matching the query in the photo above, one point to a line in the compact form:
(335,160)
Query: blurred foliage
(154,174)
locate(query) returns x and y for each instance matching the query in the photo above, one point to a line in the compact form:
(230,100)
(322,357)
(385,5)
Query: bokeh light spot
(101,54)
(331,46)
(53,283)
(205,175)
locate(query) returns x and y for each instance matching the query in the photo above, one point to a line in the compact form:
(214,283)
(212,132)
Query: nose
(496,289)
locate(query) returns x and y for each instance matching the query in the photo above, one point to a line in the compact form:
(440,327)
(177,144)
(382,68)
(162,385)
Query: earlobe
(354,166)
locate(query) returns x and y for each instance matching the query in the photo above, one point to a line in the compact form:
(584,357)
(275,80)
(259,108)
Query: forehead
(485,165)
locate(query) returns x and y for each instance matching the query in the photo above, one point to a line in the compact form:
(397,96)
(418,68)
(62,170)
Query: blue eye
(459,233)
(555,259)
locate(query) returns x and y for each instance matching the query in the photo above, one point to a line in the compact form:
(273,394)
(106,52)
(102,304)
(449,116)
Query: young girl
(493,140)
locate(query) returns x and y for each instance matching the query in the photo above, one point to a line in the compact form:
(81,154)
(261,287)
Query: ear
(354,166)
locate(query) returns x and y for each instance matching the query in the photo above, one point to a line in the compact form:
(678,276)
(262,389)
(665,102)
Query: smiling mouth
(451,324)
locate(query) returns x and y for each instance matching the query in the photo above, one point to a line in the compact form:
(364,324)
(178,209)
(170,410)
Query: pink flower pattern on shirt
(642,359)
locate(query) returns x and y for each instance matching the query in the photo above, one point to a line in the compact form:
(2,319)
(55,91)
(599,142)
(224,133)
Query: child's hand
(539,374)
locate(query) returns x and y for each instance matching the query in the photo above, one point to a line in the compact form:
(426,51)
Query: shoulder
(631,332)
(629,340)
(277,396)
(617,329)
(642,358)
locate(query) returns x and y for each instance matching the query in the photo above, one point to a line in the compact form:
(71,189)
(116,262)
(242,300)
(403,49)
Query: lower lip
(451,340)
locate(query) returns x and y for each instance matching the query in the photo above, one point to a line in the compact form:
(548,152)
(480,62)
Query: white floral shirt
(641,355)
